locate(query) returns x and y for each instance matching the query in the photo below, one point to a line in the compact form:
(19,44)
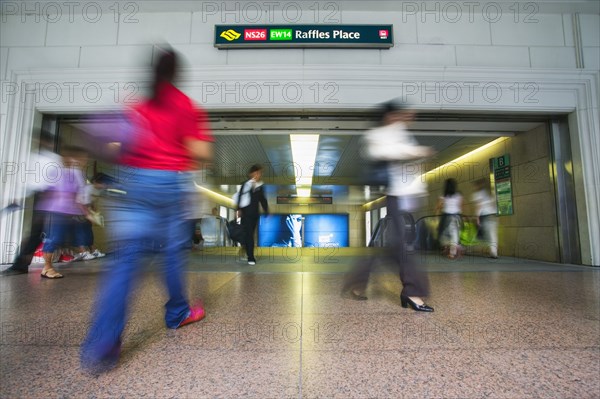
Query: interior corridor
(505,328)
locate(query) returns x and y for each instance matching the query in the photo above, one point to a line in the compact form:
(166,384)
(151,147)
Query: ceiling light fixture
(454,161)
(304,154)
(303,191)
(214,195)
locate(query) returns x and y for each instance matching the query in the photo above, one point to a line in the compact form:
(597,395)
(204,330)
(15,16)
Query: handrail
(378,238)
(426,238)
(462,216)
(416,231)
(218,237)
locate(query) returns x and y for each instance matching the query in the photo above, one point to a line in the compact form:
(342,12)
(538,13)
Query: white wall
(446,36)
(440,34)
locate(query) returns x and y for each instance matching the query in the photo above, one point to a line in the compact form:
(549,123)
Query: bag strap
(239,198)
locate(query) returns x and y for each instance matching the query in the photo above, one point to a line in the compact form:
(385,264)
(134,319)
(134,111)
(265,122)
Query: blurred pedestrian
(84,235)
(486,210)
(50,166)
(171,136)
(450,206)
(393,143)
(251,196)
(61,207)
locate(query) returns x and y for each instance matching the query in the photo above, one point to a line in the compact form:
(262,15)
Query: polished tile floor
(503,328)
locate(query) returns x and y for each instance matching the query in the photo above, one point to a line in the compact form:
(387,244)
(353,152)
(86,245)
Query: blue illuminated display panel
(296,230)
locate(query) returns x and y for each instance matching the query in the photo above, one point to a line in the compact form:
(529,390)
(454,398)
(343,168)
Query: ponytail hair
(164,71)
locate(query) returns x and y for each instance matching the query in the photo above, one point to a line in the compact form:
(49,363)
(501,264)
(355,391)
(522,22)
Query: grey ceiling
(241,141)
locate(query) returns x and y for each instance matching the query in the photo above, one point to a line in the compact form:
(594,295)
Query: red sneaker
(38,255)
(38,250)
(196,314)
(66,258)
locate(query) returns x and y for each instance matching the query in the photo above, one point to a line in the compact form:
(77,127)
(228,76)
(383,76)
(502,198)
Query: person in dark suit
(251,196)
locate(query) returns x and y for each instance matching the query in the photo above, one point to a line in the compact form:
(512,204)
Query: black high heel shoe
(405,301)
(357,296)
(351,294)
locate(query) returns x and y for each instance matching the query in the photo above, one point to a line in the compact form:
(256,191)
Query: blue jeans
(84,234)
(58,226)
(151,209)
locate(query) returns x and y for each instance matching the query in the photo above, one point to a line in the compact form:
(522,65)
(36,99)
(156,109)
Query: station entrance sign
(294,36)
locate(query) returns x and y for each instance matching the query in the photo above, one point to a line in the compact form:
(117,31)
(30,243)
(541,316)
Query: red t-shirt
(159,129)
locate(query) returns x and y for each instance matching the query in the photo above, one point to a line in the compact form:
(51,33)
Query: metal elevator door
(566,204)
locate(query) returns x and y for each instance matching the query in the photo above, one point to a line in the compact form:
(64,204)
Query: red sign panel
(255,34)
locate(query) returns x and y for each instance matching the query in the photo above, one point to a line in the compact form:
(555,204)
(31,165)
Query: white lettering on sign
(317,34)
(340,34)
(312,34)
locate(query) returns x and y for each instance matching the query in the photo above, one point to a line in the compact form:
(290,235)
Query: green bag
(468,234)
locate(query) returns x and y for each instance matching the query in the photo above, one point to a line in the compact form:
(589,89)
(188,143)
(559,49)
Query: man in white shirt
(250,197)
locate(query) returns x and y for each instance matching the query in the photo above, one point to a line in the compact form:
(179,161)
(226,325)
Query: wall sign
(504,200)
(293,36)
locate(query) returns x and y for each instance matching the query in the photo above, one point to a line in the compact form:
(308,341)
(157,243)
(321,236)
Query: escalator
(214,231)
(381,234)
(422,234)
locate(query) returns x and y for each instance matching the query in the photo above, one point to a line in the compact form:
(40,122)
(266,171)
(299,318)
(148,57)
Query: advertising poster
(277,230)
(326,231)
(504,197)
(296,230)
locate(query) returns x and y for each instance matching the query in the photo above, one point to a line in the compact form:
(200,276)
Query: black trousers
(30,243)
(414,280)
(249,224)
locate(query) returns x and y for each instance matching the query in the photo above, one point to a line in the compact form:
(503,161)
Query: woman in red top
(169,137)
